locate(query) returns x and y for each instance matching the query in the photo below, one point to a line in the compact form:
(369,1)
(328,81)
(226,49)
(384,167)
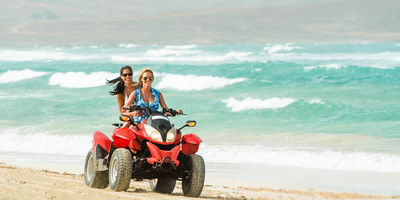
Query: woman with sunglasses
(146,96)
(124,86)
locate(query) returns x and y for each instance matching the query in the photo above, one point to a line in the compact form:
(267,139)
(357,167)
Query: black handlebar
(148,111)
(172,112)
(133,108)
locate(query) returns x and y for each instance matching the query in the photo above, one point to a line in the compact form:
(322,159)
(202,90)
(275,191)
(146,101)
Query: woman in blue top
(146,96)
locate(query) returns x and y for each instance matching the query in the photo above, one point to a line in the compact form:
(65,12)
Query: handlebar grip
(173,112)
(133,108)
(136,107)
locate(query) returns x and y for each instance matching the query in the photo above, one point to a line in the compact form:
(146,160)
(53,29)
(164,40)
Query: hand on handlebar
(125,108)
(172,112)
(136,107)
(132,108)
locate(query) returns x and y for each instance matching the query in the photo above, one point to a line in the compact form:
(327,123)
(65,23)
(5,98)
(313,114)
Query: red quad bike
(152,150)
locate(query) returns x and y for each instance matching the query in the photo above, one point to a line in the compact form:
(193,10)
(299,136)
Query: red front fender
(190,144)
(101,139)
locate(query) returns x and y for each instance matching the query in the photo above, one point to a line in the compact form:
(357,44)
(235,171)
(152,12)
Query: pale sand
(24,183)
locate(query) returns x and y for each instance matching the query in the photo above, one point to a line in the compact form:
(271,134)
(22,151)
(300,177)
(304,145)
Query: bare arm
(121,101)
(162,102)
(132,98)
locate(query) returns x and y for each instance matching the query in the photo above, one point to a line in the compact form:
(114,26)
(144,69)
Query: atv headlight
(153,133)
(171,135)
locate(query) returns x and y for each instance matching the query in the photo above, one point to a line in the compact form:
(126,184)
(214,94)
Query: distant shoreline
(222,22)
(98,44)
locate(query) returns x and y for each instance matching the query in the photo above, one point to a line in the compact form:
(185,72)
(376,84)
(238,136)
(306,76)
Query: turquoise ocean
(308,106)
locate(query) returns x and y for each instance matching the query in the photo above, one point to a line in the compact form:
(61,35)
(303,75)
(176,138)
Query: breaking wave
(41,55)
(185,56)
(306,158)
(81,79)
(128,45)
(45,143)
(192,46)
(255,104)
(327,66)
(19,75)
(194,82)
(271,49)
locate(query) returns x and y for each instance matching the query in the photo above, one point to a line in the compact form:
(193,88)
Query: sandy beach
(24,183)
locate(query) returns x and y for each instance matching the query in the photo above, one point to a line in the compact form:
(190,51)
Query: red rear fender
(101,139)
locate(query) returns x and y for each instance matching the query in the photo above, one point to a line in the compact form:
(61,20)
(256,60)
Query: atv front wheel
(120,171)
(93,178)
(193,176)
(163,185)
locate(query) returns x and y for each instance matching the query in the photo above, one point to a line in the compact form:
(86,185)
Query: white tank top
(126,98)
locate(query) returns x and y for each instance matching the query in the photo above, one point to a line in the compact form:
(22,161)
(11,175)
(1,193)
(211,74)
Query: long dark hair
(118,82)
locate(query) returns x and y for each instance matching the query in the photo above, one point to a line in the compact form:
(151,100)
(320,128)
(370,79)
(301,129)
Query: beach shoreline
(241,175)
(45,184)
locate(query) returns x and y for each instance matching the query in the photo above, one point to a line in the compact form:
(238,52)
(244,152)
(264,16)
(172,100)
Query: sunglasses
(150,78)
(128,74)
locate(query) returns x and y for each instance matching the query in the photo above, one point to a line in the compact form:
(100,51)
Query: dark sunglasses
(128,74)
(150,78)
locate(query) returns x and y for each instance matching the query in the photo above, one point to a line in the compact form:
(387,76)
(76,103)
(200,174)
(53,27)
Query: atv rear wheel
(120,170)
(93,178)
(193,176)
(163,185)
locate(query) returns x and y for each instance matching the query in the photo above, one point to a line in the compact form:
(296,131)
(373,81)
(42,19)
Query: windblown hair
(119,85)
(140,83)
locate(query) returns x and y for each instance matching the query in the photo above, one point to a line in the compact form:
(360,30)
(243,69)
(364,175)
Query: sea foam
(24,96)
(327,66)
(316,101)
(41,55)
(194,82)
(19,75)
(191,46)
(190,56)
(170,52)
(128,45)
(317,158)
(305,158)
(272,49)
(254,104)
(44,143)
(81,79)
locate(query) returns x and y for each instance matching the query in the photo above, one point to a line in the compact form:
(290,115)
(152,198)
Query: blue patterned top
(140,102)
